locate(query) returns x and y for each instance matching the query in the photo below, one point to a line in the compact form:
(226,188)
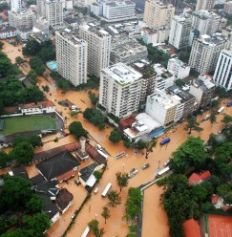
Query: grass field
(28,123)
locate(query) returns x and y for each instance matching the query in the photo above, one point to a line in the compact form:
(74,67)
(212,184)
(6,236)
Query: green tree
(114,198)
(179,82)
(34,204)
(191,154)
(115,136)
(122,180)
(77,130)
(97,174)
(37,223)
(192,124)
(4,159)
(93,98)
(1,43)
(23,153)
(19,60)
(31,48)
(105,213)
(133,203)
(37,65)
(94,228)
(227,119)
(149,147)
(32,75)
(95,117)
(212,117)
(140,145)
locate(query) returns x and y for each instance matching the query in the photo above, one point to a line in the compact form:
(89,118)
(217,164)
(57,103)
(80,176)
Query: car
(96,190)
(145,166)
(132,173)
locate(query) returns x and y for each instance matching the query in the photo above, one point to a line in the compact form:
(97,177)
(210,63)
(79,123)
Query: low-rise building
(163,107)
(7,32)
(203,90)
(127,51)
(197,178)
(180,69)
(164,78)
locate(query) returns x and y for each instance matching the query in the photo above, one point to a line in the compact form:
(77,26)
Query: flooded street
(155,219)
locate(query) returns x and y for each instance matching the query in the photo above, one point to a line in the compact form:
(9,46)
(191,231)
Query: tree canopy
(77,130)
(95,117)
(115,136)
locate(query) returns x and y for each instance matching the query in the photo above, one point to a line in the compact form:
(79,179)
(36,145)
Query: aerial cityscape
(116,118)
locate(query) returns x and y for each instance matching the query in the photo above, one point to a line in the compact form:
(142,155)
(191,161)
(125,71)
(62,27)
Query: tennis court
(28,123)
(220,226)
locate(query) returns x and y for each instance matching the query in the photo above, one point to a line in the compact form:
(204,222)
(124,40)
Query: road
(154,224)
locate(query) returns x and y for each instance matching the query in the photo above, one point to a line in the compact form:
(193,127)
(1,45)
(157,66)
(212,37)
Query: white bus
(86,232)
(106,189)
(221,110)
(163,171)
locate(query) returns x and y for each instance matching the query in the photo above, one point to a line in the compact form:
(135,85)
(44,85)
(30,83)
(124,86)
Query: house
(64,200)
(86,175)
(59,167)
(197,178)
(48,192)
(219,203)
(192,228)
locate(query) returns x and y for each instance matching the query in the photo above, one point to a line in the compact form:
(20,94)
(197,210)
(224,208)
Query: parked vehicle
(96,190)
(106,189)
(145,166)
(229,104)
(221,110)
(166,140)
(132,173)
(162,171)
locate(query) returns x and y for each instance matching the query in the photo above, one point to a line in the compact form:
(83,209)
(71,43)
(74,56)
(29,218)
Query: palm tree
(94,228)
(122,180)
(114,198)
(212,117)
(192,124)
(149,147)
(105,213)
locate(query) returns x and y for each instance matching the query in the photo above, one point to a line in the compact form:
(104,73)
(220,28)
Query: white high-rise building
(206,22)
(180,31)
(158,14)
(71,56)
(223,73)
(228,7)
(54,12)
(205,52)
(204,5)
(16,5)
(99,45)
(120,90)
(118,9)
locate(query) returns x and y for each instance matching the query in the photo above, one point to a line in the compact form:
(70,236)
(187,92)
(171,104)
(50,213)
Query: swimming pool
(52,65)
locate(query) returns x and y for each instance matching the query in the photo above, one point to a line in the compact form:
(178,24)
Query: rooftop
(57,165)
(120,3)
(192,228)
(204,82)
(71,37)
(184,95)
(63,199)
(122,73)
(94,29)
(196,178)
(163,99)
(215,39)
(86,172)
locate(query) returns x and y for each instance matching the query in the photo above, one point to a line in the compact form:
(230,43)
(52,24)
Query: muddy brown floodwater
(155,219)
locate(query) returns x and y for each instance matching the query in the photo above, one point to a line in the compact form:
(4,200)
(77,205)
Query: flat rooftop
(95,29)
(122,73)
(71,36)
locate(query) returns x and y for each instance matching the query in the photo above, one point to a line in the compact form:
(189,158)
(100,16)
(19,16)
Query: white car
(132,173)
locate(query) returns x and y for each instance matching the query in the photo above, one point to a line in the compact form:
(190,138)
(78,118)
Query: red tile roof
(192,228)
(126,123)
(196,178)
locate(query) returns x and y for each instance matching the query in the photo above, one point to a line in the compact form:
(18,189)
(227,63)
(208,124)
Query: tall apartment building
(207,22)
(180,69)
(118,9)
(158,14)
(205,52)
(40,6)
(120,90)
(180,31)
(164,108)
(22,20)
(16,5)
(99,45)
(223,73)
(71,56)
(204,5)
(228,8)
(54,12)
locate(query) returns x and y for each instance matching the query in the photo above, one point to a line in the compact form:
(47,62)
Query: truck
(166,140)
(229,104)
(221,110)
